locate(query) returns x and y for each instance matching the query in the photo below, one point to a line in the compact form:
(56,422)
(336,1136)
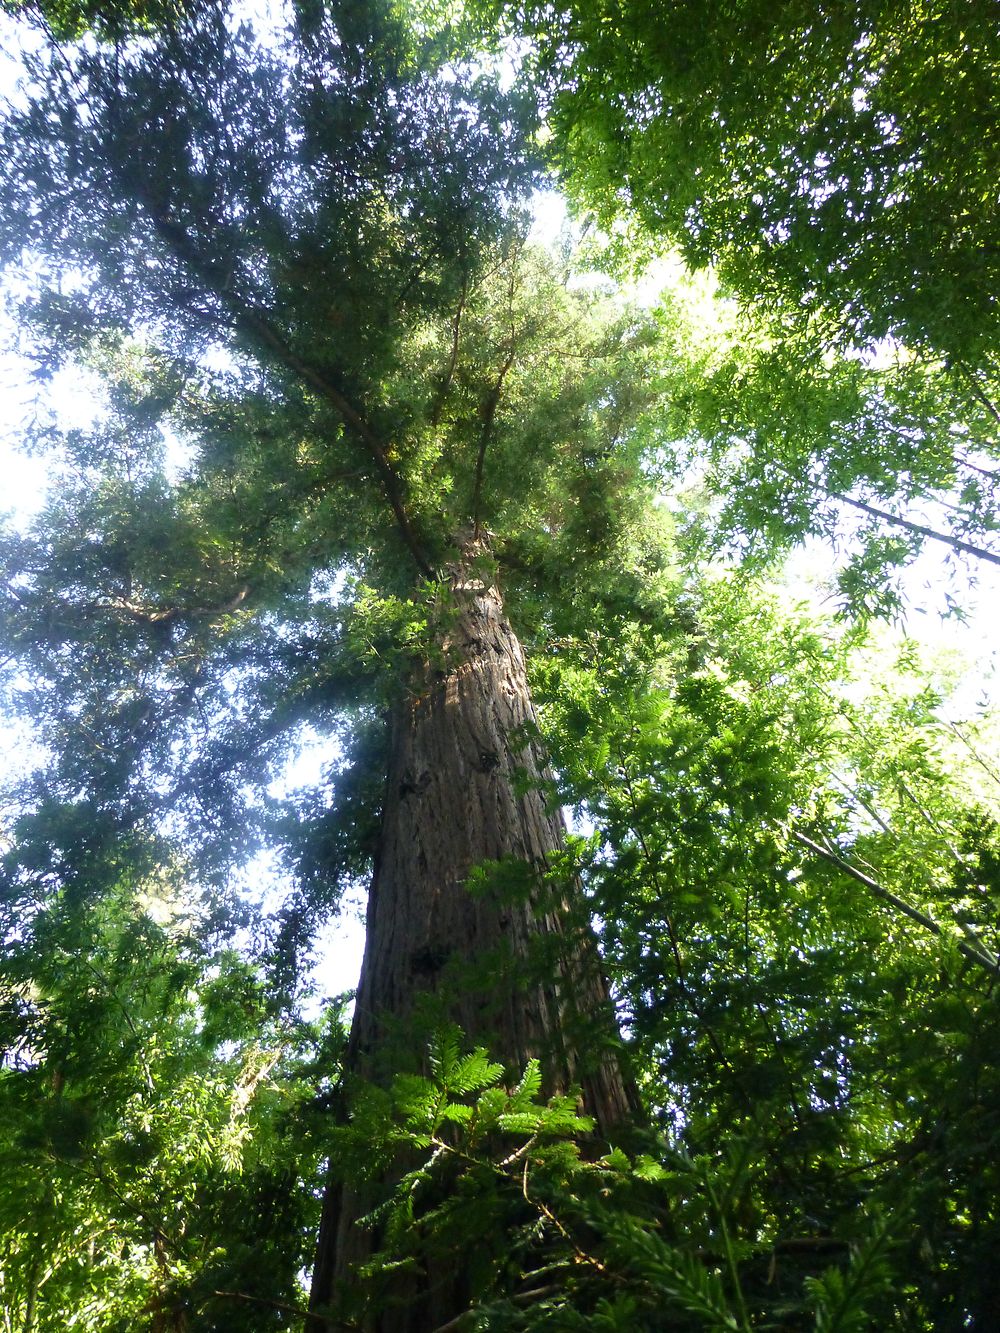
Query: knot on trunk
(414,784)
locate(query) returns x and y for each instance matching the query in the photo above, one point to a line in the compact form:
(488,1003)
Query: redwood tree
(307,264)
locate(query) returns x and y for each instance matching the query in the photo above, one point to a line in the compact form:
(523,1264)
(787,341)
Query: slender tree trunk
(466,786)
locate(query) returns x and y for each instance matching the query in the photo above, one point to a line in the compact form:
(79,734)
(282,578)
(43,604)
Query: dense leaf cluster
(835,160)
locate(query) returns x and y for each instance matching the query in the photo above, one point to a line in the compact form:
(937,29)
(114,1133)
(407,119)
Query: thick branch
(166,615)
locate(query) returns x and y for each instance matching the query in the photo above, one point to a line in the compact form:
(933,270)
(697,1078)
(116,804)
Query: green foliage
(767,994)
(843,1296)
(833,164)
(328,359)
(774,440)
(110,21)
(153,1112)
(835,173)
(567,1235)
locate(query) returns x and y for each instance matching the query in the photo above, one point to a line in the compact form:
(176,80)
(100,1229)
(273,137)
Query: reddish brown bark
(466,786)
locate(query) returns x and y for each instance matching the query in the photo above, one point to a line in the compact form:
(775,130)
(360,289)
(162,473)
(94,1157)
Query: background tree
(154,1114)
(68,19)
(832,165)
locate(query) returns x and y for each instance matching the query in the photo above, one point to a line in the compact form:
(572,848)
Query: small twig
(582,1257)
(520,1153)
(980,393)
(983,763)
(519,1298)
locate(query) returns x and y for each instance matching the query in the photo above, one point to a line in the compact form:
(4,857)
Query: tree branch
(449,374)
(489,413)
(493,400)
(282,1306)
(976,955)
(166,615)
(519,1298)
(918,529)
(979,392)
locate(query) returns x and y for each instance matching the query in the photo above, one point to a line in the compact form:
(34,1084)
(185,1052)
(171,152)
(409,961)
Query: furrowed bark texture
(464,787)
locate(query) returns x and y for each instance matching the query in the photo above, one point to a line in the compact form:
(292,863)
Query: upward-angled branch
(254,324)
(492,403)
(449,374)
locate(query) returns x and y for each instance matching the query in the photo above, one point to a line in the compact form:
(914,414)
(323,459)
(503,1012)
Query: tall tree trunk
(466,786)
